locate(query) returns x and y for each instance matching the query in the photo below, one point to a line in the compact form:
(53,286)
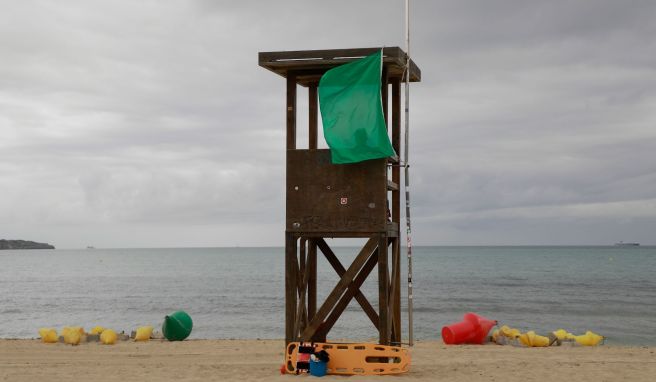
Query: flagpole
(407,170)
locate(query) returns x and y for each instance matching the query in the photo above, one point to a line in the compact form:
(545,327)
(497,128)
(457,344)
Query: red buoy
(471,330)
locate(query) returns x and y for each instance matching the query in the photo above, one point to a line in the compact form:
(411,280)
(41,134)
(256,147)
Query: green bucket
(177,326)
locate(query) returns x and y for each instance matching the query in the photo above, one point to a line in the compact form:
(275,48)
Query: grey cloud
(123,123)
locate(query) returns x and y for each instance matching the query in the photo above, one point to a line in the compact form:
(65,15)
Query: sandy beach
(259,360)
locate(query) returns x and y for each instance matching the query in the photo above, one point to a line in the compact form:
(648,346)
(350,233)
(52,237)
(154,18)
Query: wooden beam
(383,94)
(392,230)
(383,291)
(359,296)
(339,289)
(353,290)
(291,111)
(312,280)
(396,213)
(290,286)
(313,115)
(395,294)
(396,143)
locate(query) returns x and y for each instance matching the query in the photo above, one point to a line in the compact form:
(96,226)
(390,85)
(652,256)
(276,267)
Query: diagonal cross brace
(339,289)
(353,288)
(350,293)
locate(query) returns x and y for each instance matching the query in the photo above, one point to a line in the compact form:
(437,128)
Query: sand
(259,360)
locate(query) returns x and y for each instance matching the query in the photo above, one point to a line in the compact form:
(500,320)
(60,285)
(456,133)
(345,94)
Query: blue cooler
(318,368)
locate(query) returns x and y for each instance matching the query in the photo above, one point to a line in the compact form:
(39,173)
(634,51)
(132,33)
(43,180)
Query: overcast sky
(150,124)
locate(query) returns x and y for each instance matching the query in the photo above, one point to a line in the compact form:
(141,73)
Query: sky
(150,123)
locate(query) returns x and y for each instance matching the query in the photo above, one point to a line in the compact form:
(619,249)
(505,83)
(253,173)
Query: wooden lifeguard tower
(325,200)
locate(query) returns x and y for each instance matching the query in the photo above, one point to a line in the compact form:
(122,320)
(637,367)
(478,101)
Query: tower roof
(309,65)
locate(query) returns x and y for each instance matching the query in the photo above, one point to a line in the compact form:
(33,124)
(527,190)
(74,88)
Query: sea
(239,292)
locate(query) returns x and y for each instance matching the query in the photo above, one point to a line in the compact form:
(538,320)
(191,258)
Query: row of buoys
(474,329)
(506,335)
(73,335)
(176,327)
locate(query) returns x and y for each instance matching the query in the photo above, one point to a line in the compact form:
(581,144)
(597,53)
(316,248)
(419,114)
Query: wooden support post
(390,291)
(291,111)
(396,144)
(395,295)
(313,116)
(396,213)
(291,275)
(291,262)
(312,281)
(383,291)
(384,92)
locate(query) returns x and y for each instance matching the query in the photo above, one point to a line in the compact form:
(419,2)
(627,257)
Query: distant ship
(623,244)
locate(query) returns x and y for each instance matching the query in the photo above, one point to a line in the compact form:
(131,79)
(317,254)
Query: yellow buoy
(72,337)
(68,329)
(43,332)
(563,334)
(540,341)
(509,332)
(524,339)
(534,340)
(48,335)
(589,339)
(143,333)
(108,337)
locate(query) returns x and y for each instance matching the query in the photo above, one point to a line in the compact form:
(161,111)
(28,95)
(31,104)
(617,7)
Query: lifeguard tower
(325,200)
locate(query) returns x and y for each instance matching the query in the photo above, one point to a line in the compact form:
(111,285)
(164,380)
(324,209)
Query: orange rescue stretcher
(350,358)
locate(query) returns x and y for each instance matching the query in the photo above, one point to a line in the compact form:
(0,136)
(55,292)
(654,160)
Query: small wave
(505,285)
(428,310)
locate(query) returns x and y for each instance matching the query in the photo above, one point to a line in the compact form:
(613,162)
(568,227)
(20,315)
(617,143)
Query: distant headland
(23,244)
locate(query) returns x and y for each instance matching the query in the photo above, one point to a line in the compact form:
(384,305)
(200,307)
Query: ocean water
(239,292)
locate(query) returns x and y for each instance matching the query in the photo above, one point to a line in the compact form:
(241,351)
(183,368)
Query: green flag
(352,111)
